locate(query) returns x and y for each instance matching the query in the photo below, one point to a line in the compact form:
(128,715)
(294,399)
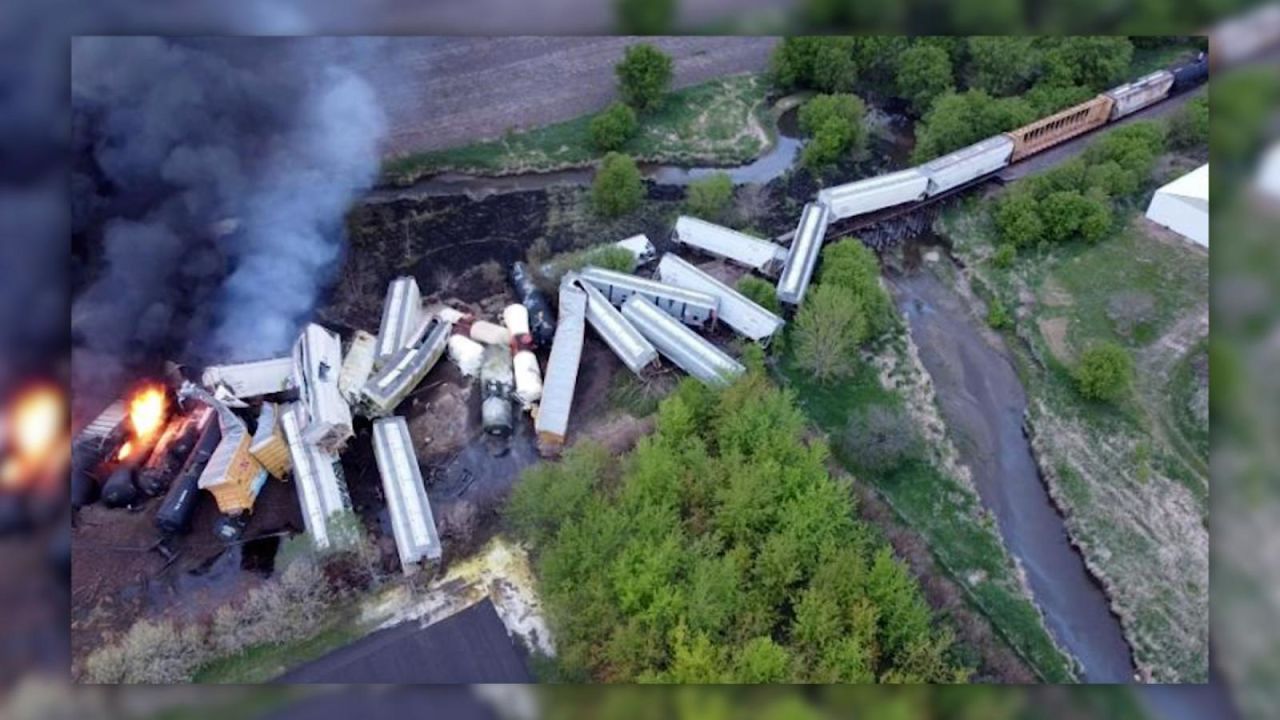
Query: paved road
(471,646)
(442,92)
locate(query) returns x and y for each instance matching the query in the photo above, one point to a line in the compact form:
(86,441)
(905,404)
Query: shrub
(151,652)
(1005,255)
(613,127)
(761,292)
(643,76)
(1068,214)
(617,188)
(829,328)
(710,197)
(1189,127)
(998,315)
(879,438)
(1104,372)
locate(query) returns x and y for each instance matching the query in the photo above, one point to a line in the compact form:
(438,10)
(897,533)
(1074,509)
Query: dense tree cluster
(845,308)
(644,75)
(721,550)
(924,73)
(617,188)
(834,124)
(613,127)
(1104,372)
(1074,200)
(711,197)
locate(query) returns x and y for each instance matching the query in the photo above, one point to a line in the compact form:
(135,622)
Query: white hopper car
(957,168)
(875,193)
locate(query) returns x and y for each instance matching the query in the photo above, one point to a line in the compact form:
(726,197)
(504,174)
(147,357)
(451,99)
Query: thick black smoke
(210,186)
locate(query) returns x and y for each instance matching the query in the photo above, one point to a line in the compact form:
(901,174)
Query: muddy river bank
(983,403)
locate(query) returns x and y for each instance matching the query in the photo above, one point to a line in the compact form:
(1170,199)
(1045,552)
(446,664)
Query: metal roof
(317,359)
(967,153)
(250,379)
(412,523)
(322,493)
(803,256)
(736,310)
(760,255)
(402,317)
(684,347)
(402,373)
(357,366)
(827,195)
(688,306)
(562,364)
(620,335)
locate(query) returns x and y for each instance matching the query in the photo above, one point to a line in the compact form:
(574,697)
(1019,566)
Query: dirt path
(441,92)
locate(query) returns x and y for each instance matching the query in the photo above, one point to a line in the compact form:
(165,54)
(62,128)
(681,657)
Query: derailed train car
(412,524)
(688,350)
(688,306)
(638,354)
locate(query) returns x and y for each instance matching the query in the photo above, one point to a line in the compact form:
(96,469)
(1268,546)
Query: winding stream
(983,401)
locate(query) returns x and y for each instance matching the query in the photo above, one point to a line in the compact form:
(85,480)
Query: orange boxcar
(1060,126)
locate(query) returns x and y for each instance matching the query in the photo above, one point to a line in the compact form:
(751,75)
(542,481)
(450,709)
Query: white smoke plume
(210,186)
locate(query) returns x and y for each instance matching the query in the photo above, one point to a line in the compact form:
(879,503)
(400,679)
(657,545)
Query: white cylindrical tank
(490,333)
(466,353)
(516,318)
(528,378)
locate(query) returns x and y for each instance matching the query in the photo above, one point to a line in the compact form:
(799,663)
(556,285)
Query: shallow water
(983,401)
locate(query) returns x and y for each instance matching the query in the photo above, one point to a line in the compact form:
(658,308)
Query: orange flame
(38,435)
(147,412)
(125,449)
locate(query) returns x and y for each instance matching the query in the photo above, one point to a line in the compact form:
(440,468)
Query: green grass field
(947,514)
(264,663)
(1133,476)
(723,122)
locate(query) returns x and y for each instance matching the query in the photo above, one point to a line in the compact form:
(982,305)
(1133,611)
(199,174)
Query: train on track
(863,203)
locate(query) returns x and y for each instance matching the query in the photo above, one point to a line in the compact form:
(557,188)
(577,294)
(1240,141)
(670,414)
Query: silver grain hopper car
(412,523)
(688,306)
(968,163)
(404,371)
(552,420)
(762,256)
(682,346)
(620,335)
(357,365)
(403,319)
(1145,91)
(640,247)
(325,415)
(317,476)
(250,379)
(803,255)
(877,193)
(744,316)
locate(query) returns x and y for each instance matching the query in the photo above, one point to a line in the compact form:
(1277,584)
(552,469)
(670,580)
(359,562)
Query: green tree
(613,127)
(763,661)
(959,119)
(1104,372)
(1047,98)
(1189,127)
(924,73)
(1017,219)
(1067,215)
(829,328)
(879,438)
(760,292)
(617,188)
(835,126)
(853,266)
(1002,65)
(997,314)
(644,75)
(1095,62)
(710,197)
(1005,255)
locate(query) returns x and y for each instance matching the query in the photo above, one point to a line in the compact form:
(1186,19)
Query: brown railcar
(1051,130)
